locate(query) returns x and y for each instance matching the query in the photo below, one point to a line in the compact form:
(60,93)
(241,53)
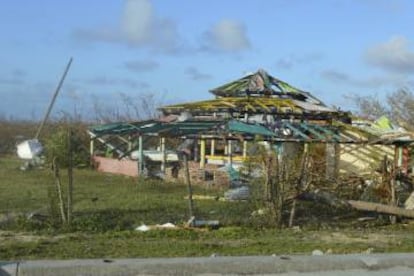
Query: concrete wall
(210,175)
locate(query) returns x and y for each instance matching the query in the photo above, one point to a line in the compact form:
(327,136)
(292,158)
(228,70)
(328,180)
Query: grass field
(108,208)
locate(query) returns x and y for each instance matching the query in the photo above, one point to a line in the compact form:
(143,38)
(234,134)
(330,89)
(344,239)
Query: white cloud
(288,62)
(107,81)
(139,27)
(16,77)
(394,6)
(227,35)
(335,76)
(393,55)
(338,77)
(196,75)
(141,65)
(137,21)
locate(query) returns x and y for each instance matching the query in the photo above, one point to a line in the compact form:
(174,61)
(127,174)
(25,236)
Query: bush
(57,146)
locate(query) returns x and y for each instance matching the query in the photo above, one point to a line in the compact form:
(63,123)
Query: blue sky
(178,50)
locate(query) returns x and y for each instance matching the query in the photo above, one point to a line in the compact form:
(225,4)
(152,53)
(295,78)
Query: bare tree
(138,107)
(370,106)
(399,106)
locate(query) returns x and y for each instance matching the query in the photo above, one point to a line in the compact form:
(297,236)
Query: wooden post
(91,151)
(393,172)
(49,109)
(58,183)
(129,144)
(330,157)
(400,156)
(306,148)
(300,182)
(189,188)
(202,153)
(70,178)
(196,151)
(140,156)
(92,147)
(230,152)
(163,155)
(213,147)
(244,149)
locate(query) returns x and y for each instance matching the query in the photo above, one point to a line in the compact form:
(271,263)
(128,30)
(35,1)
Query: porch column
(230,152)
(213,147)
(163,155)
(331,152)
(202,153)
(400,156)
(140,156)
(244,149)
(92,146)
(129,143)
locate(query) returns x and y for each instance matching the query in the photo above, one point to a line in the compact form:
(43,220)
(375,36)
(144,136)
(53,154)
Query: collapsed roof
(258,93)
(263,84)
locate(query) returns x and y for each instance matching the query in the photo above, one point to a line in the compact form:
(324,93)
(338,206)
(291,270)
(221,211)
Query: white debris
(143,228)
(167,225)
(29,149)
(368,251)
(409,203)
(317,252)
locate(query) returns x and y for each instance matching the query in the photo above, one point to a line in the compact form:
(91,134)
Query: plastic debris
(145,228)
(241,193)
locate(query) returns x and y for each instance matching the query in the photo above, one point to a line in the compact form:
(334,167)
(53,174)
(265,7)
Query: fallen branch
(381,208)
(332,200)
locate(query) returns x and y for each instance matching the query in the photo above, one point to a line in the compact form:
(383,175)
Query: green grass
(107,209)
(190,242)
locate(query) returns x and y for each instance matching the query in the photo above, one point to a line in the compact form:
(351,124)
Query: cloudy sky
(178,50)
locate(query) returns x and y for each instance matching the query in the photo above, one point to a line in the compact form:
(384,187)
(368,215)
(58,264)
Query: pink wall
(111,165)
(130,168)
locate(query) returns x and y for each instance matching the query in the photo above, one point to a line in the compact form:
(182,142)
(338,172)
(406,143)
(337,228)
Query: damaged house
(257,108)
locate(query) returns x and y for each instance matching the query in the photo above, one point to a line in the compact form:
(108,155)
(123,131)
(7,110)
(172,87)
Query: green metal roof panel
(254,129)
(154,128)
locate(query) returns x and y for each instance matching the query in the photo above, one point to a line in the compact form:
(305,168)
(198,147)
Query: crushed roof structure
(258,93)
(295,116)
(263,84)
(284,130)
